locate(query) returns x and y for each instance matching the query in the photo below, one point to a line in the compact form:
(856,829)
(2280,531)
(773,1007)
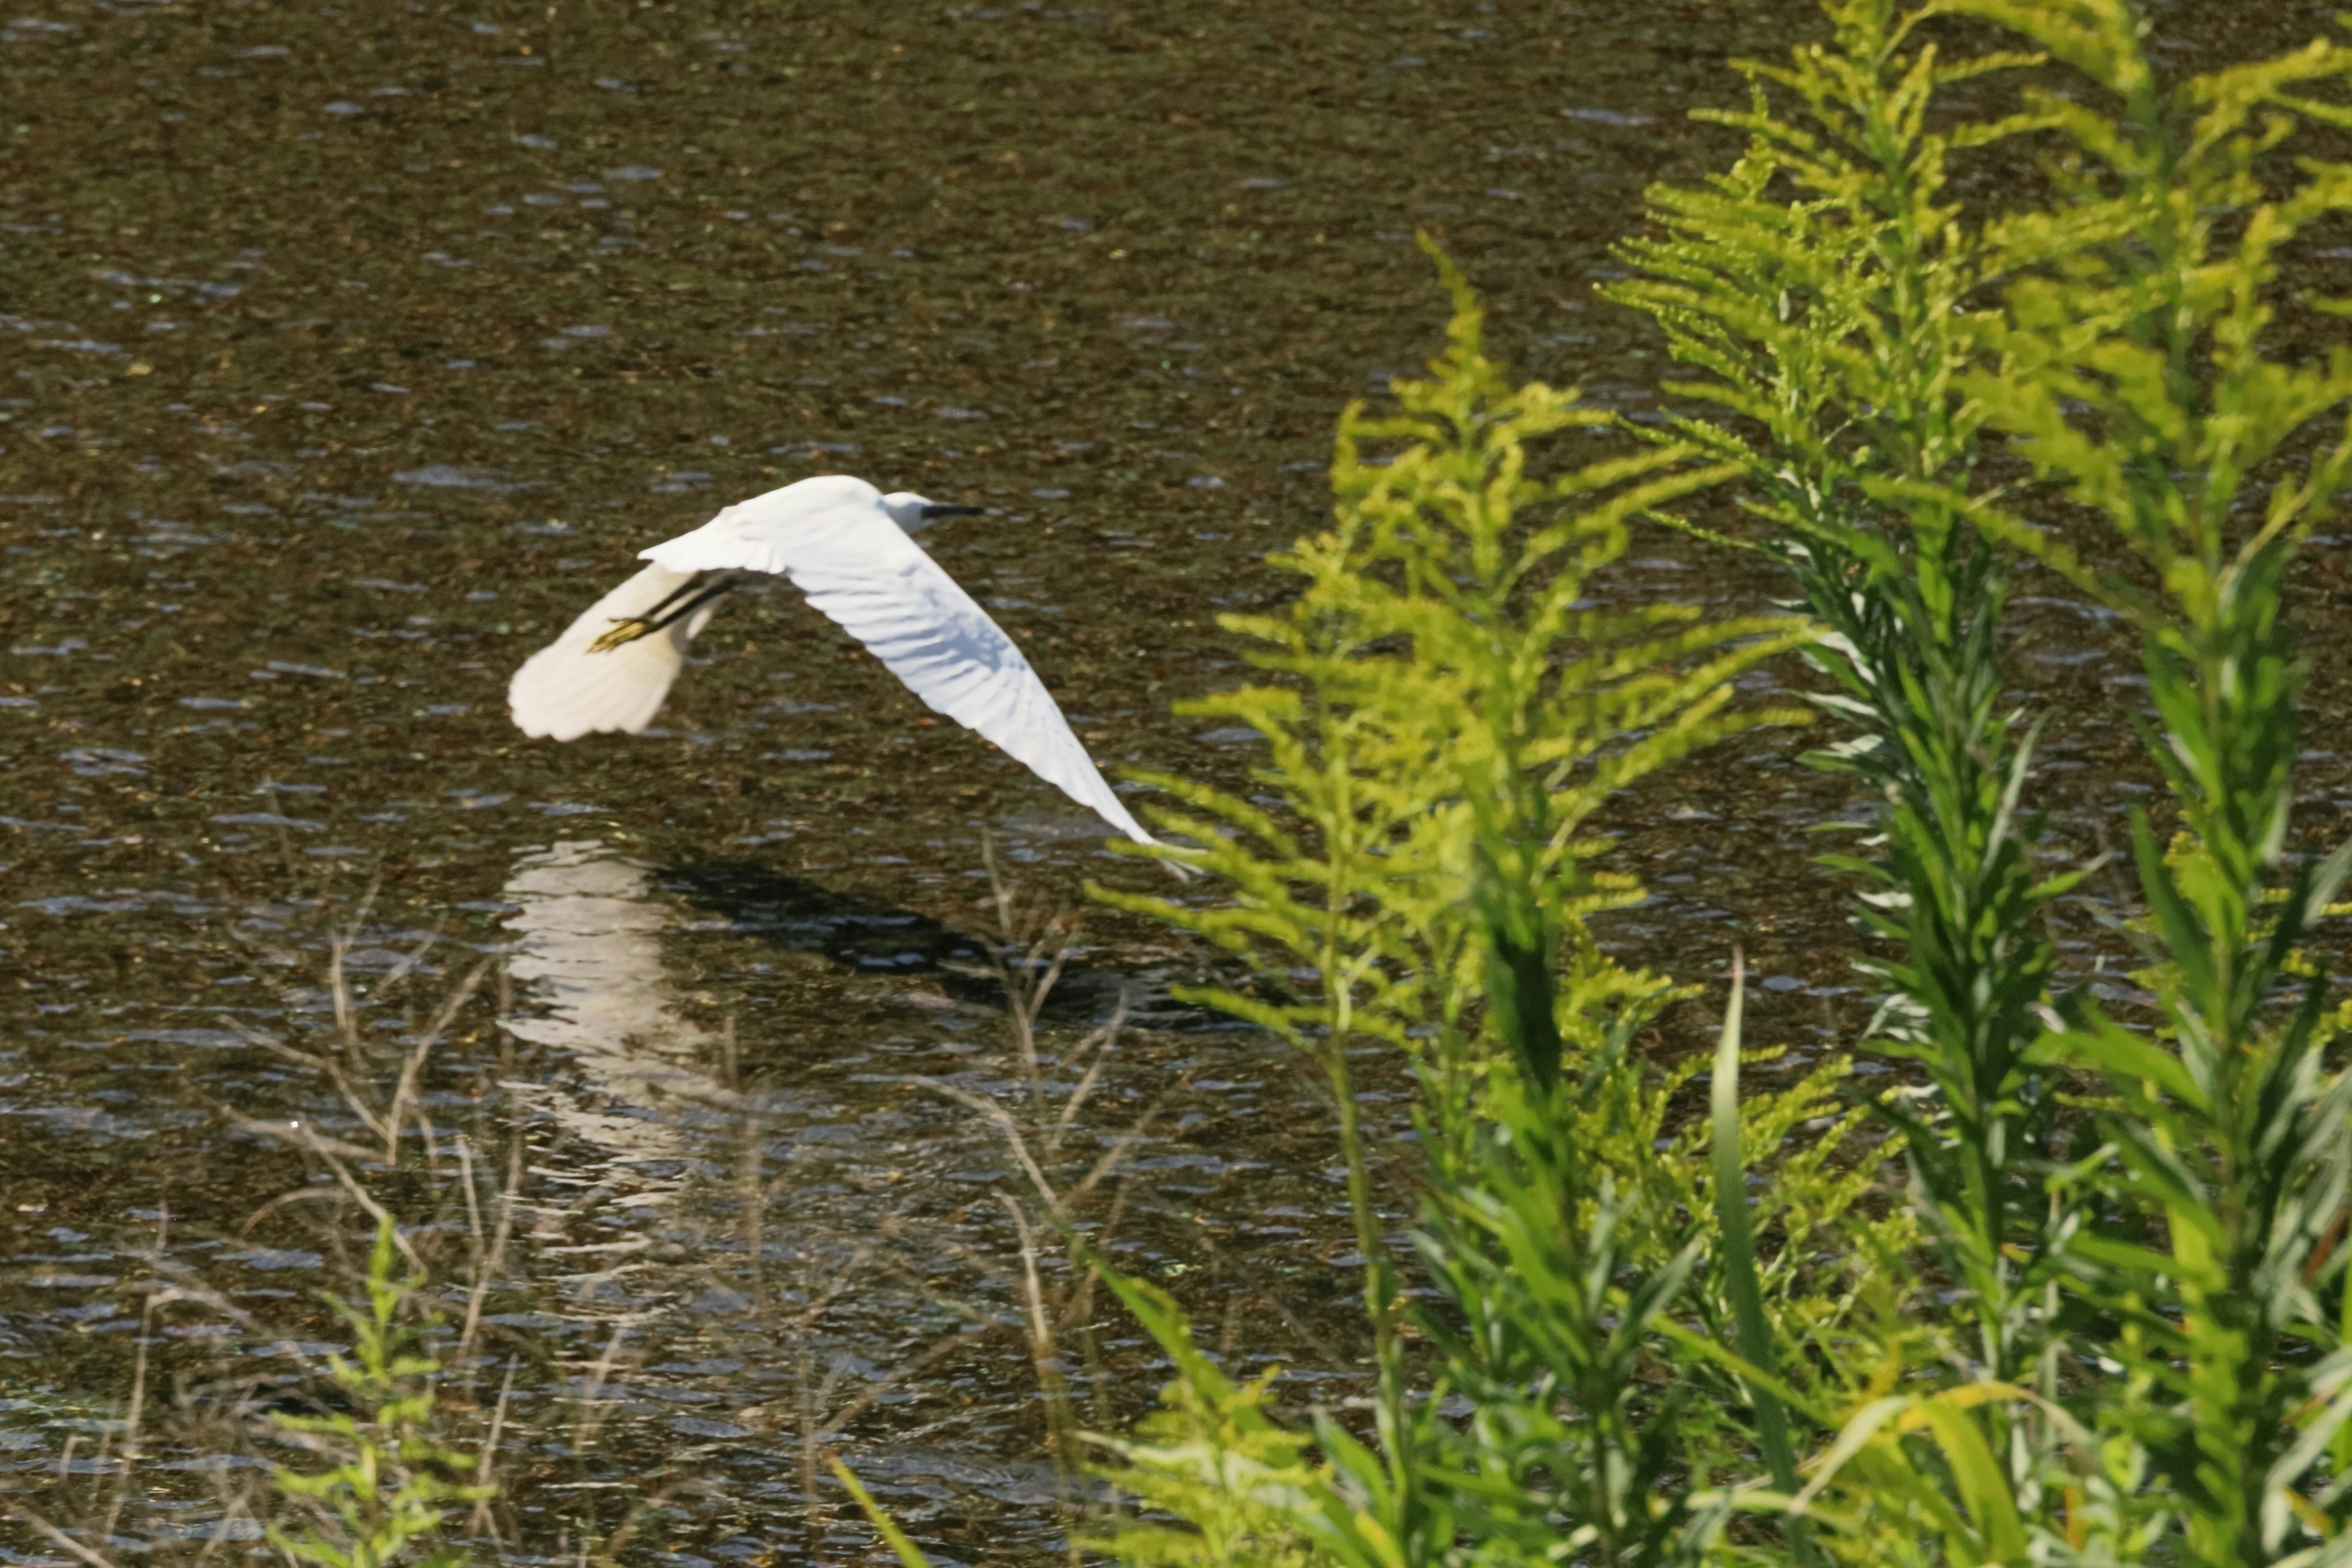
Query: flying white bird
(846,546)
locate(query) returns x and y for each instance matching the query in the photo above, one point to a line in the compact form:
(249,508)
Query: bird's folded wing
(565,691)
(879,586)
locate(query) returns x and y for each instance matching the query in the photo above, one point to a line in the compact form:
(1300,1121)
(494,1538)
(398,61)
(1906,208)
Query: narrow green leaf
(910,1555)
(1740,1275)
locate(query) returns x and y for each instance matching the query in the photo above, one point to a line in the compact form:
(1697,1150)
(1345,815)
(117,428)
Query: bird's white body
(845,545)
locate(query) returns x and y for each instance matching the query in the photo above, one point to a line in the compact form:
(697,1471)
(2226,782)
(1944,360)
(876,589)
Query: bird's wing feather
(861,570)
(564,691)
(754,535)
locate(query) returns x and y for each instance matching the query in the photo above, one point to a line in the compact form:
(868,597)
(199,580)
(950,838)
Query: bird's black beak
(935,511)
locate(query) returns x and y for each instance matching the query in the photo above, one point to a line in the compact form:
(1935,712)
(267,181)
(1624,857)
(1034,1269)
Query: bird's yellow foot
(625,629)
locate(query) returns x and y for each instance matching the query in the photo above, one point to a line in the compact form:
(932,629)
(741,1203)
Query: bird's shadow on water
(801,916)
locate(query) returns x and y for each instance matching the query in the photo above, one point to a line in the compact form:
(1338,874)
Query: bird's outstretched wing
(861,570)
(565,691)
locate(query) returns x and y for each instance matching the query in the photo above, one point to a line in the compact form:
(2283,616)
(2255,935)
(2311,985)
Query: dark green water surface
(347,351)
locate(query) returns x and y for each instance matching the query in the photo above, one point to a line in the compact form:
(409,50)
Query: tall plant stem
(1381,1299)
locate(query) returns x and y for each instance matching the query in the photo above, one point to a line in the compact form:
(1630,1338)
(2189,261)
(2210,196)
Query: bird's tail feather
(564,691)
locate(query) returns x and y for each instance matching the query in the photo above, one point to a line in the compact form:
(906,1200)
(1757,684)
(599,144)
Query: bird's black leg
(723,586)
(675,594)
(628,629)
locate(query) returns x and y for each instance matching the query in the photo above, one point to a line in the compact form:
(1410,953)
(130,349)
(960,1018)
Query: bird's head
(912,511)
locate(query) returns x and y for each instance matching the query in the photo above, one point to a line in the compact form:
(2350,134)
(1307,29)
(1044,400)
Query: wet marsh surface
(347,351)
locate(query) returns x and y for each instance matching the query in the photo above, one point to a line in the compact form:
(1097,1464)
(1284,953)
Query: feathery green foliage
(1580,1314)
(2131,366)
(1248,1489)
(1654,1358)
(1826,285)
(1873,333)
(391,1478)
(1456,707)
(1579,1424)
(1453,710)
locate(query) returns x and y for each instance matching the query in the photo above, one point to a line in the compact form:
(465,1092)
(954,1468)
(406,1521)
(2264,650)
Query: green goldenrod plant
(2136,362)
(391,1479)
(1415,869)
(1449,714)
(1249,1490)
(2116,340)
(1828,288)
(1449,708)
(1648,1341)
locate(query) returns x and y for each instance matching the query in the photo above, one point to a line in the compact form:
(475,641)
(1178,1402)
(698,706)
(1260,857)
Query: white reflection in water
(587,953)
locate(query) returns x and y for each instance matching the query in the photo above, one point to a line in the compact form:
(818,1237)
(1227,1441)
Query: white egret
(845,545)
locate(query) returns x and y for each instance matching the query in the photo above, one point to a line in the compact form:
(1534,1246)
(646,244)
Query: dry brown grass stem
(1025,989)
(485,1262)
(592,1402)
(1101,1042)
(821,1422)
(1051,1094)
(750,1165)
(405,1104)
(992,1109)
(325,1067)
(1062,1204)
(300,1194)
(191,1290)
(485,1465)
(59,1538)
(1064,1438)
(811,1395)
(285,839)
(1028,975)
(407,964)
(211,1406)
(137,1409)
(300,1132)
(939,1350)
(338,989)
(473,1213)
(1045,1351)
(237,1502)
